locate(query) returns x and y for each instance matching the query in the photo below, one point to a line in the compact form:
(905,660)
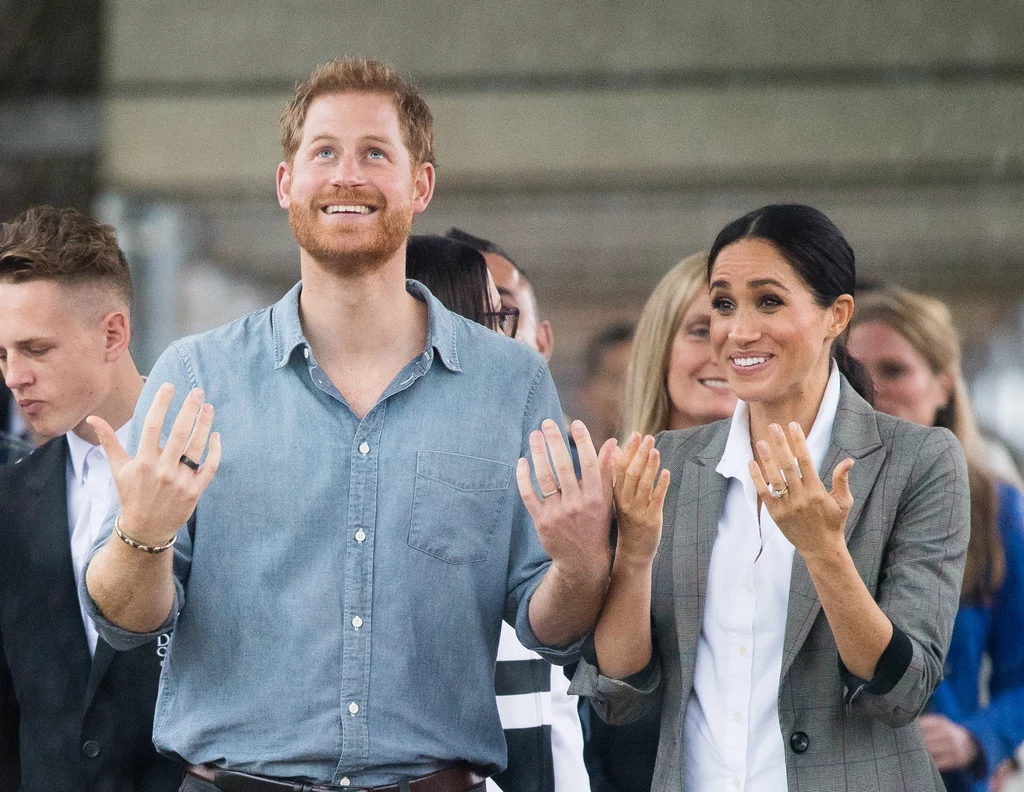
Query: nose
(17,374)
(348,171)
(744,328)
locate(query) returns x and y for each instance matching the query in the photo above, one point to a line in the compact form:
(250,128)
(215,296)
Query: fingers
(772,471)
(783,458)
(650,471)
(182,428)
(624,486)
(526,492)
(606,463)
(211,463)
(564,470)
(149,440)
(841,484)
(541,466)
(808,470)
(112,447)
(196,445)
(759,483)
(590,466)
(661,490)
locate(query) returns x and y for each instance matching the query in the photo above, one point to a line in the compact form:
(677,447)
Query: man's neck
(118,406)
(362,329)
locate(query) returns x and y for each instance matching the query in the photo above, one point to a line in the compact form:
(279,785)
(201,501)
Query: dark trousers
(193,784)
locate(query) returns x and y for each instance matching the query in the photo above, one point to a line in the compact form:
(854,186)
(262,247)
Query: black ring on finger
(189,462)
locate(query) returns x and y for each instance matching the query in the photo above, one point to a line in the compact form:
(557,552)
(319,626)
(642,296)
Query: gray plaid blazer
(907,534)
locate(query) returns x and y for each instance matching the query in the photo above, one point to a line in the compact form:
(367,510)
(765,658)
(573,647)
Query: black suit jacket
(68,722)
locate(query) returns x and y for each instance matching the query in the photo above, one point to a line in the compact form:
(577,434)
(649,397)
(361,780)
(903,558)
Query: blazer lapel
(702,494)
(100,663)
(855,434)
(49,548)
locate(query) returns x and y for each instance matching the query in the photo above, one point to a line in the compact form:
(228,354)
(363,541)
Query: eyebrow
(324,136)
(754,284)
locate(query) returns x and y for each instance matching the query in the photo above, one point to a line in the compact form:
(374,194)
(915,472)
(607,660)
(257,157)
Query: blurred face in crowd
(351,190)
(905,385)
(516,292)
(602,395)
(768,333)
(698,392)
(57,349)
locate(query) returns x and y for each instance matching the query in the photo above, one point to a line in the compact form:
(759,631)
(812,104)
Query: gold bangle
(154,549)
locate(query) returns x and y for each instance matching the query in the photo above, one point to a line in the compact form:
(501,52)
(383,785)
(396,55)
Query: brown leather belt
(462,778)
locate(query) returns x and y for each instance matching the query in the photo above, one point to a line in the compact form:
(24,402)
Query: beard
(356,250)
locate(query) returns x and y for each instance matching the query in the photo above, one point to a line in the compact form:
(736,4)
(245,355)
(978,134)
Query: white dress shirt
(732,738)
(90,492)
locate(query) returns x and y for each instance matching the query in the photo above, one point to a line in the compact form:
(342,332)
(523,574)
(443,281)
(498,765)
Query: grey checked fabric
(907,534)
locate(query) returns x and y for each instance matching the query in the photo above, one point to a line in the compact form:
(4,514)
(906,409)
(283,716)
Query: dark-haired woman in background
(795,611)
(909,346)
(542,729)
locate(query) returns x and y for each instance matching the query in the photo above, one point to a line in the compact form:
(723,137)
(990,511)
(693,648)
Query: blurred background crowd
(596,143)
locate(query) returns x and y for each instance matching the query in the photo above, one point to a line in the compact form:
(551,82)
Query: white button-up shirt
(90,492)
(732,738)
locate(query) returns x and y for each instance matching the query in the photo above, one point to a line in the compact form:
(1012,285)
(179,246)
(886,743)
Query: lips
(749,362)
(30,406)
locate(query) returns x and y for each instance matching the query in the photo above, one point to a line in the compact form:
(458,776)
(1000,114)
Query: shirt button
(360,535)
(364,448)
(344,782)
(742,649)
(357,622)
(305,353)
(91,749)
(737,717)
(736,783)
(353,708)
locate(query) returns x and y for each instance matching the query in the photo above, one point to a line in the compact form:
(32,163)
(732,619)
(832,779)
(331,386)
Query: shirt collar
(737,448)
(288,334)
(80,448)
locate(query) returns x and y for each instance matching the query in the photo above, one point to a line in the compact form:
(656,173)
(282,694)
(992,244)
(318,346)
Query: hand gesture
(572,517)
(951,745)
(639,499)
(810,517)
(159,488)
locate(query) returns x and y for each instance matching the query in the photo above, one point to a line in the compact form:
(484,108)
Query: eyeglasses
(505,321)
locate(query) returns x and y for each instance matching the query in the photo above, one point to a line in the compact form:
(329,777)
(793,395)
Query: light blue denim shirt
(337,614)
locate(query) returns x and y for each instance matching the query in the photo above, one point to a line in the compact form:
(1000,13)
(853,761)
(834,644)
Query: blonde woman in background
(909,347)
(672,382)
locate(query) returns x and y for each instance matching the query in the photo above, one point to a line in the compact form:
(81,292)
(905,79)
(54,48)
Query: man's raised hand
(572,516)
(158,490)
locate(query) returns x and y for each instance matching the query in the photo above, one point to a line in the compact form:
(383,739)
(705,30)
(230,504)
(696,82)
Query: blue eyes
(375,154)
(326,153)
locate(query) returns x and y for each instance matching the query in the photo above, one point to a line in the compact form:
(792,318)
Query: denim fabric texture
(337,613)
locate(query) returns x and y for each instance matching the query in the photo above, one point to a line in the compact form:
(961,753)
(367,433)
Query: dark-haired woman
(909,346)
(788,584)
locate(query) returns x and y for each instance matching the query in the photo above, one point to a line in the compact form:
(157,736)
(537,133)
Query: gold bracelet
(154,549)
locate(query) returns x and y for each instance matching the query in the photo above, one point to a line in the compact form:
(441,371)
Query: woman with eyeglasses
(975,720)
(787,585)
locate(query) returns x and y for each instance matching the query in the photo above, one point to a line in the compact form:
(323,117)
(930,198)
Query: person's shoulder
(482,348)
(689,443)
(252,329)
(16,475)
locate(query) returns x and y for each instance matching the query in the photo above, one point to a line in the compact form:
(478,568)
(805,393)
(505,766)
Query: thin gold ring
(555,491)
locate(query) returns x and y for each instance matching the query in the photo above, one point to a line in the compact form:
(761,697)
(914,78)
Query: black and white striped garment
(541,723)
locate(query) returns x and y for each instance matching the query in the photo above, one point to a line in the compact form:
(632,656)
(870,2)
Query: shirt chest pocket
(456,505)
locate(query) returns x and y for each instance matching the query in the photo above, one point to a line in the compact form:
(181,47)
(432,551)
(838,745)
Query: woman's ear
(842,313)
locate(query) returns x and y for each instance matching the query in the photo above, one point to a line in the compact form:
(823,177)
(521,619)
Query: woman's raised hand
(639,499)
(810,517)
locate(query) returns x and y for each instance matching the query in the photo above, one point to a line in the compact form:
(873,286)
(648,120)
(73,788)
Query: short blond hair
(646,408)
(361,75)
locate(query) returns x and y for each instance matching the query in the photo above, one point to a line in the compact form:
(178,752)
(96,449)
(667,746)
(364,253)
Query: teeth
(715,383)
(338,209)
(750,361)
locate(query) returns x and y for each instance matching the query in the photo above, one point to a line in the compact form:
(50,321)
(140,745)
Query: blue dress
(996,629)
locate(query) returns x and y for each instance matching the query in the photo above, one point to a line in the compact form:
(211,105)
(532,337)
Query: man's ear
(284,184)
(117,329)
(545,339)
(422,186)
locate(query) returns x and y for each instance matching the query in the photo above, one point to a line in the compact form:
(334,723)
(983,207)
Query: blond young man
(337,593)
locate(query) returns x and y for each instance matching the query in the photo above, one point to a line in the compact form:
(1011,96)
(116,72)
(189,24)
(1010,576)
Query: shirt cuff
(889,670)
(640,680)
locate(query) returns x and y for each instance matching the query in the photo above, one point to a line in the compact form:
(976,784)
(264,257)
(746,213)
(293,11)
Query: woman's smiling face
(768,332)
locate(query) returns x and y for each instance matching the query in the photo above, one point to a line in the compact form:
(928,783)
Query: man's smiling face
(351,189)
